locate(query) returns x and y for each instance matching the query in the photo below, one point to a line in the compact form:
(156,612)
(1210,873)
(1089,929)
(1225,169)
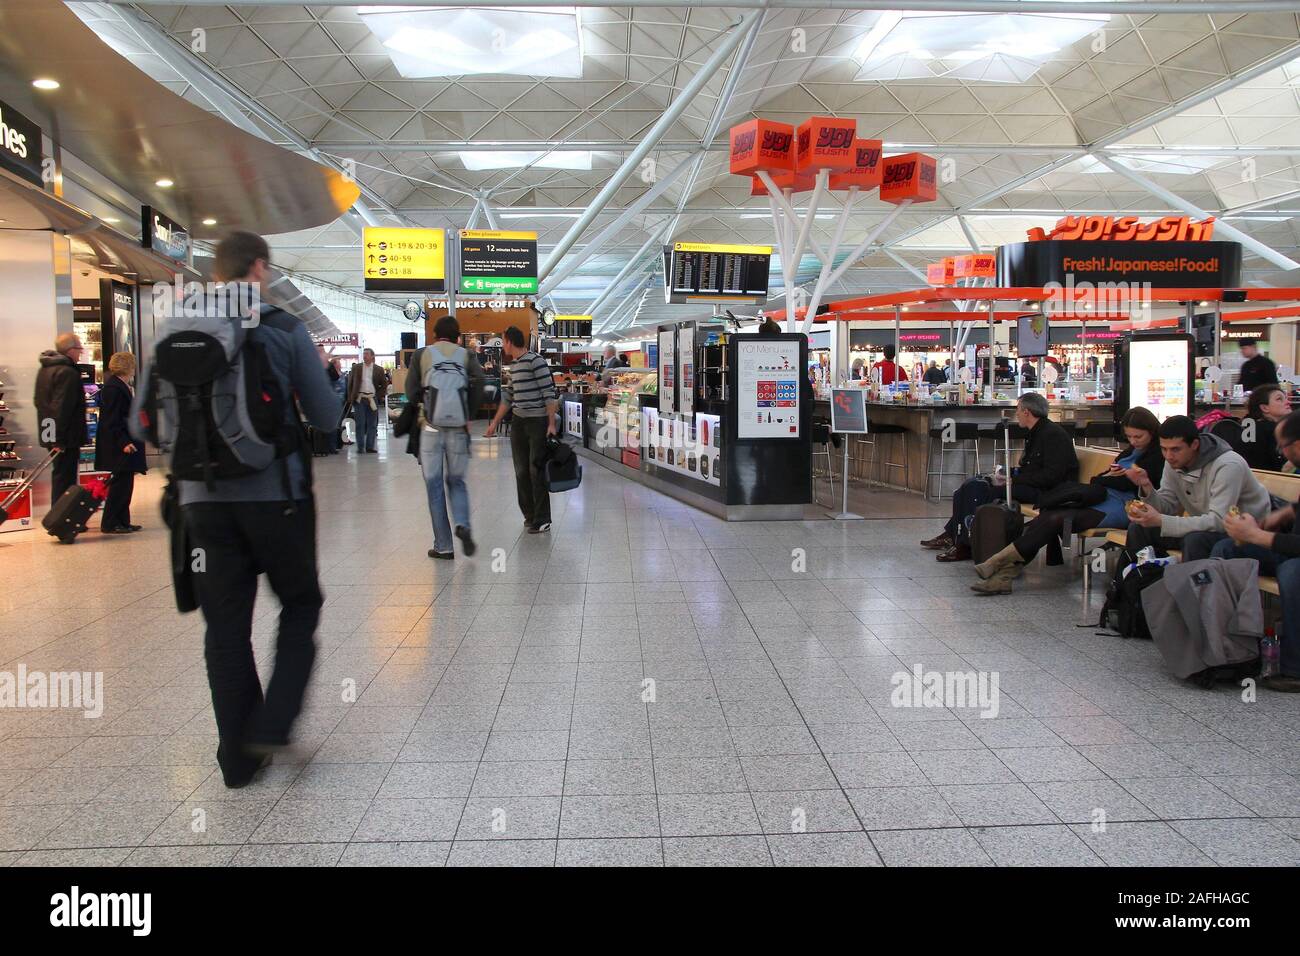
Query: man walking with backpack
(246,497)
(534,400)
(446,382)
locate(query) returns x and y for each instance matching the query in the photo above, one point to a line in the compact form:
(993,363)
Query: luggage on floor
(1206,619)
(996,525)
(1122,610)
(68,516)
(26,483)
(320,442)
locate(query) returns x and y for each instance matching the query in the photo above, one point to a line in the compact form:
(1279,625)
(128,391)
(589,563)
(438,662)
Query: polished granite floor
(644,685)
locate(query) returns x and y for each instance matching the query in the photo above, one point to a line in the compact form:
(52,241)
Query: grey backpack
(212,401)
(446,389)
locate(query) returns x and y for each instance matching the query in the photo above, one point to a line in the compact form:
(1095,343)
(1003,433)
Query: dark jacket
(1287,543)
(112,435)
(421,363)
(1150,461)
(1049,457)
(1261,453)
(378,376)
(1257,371)
(60,398)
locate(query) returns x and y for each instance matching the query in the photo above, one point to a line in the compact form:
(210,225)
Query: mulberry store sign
(20,144)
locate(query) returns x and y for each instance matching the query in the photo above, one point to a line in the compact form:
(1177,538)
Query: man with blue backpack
(446,384)
(221,398)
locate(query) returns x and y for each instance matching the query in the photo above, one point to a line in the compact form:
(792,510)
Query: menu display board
(1159,375)
(687,445)
(494,260)
(848,411)
(667,372)
(713,272)
(686,366)
(403,259)
(768,388)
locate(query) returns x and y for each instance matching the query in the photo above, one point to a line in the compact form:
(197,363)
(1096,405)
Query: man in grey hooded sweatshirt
(1204,479)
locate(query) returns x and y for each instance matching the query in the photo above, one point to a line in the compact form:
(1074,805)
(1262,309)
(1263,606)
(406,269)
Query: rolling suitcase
(320,443)
(68,516)
(26,483)
(996,525)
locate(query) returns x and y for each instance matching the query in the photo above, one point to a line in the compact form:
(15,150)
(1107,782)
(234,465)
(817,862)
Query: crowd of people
(1173,485)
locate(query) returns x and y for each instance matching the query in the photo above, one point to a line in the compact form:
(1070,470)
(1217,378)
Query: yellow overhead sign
(397,259)
(722,248)
(495,234)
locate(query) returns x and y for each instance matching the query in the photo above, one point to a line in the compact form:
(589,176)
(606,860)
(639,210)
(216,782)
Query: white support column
(820,288)
(670,116)
(865,244)
(1221,227)
(782,199)
(628,268)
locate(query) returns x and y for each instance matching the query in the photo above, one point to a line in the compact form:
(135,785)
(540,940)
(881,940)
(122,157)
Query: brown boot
(1008,555)
(999,583)
(942,543)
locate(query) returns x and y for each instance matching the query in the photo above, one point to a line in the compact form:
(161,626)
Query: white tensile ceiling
(1161,92)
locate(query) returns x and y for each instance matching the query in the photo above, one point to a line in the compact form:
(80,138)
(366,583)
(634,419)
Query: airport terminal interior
(689,434)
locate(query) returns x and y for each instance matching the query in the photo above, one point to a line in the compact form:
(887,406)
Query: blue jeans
(1287,571)
(444,457)
(367,425)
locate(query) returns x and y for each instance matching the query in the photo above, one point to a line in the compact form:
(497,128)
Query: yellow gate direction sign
(404,259)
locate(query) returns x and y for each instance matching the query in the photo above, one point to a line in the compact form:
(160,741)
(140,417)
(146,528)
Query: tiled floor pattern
(497,712)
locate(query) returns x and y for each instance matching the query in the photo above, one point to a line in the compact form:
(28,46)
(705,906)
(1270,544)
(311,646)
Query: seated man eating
(1048,459)
(1203,480)
(1275,544)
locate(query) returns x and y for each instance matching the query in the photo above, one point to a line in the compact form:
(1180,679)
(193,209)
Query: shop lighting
(458,41)
(1001,48)
(44,83)
(164,184)
(209,222)
(484,159)
(112,220)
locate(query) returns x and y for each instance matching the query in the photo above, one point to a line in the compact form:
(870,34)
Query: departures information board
(498,261)
(714,272)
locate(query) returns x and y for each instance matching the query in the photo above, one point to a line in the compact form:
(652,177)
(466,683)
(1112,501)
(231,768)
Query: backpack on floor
(446,389)
(213,402)
(1122,610)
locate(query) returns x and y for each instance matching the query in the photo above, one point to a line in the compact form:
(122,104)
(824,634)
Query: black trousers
(1195,546)
(117,506)
(527,442)
(979,491)
(1045,531)
(63,473)
(238,541)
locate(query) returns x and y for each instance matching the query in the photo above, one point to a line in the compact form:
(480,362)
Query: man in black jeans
(242,527)
(534,400)
(1049,458)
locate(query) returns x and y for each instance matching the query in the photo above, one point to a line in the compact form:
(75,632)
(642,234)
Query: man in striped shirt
(532,397)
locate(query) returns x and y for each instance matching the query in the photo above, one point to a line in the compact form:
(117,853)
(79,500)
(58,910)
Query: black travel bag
(320,443)
(68,516)
(996,525)
(1122,610)
(563,470)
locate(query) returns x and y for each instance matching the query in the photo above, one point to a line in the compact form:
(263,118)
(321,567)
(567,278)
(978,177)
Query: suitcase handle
(29,480)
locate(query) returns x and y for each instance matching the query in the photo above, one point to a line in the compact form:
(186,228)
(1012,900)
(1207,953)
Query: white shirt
(368,379)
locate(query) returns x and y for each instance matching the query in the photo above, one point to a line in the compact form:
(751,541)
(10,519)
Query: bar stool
(965,439)
(871,442)
(1094,431)
(822,440)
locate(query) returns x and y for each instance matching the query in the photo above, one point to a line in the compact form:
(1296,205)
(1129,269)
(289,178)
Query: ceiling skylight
(484,159)
(462,41)
(994,48)
(1170,164)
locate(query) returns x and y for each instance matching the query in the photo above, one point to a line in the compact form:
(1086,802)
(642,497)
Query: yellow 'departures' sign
(496,234)
(399,259)
(722,248)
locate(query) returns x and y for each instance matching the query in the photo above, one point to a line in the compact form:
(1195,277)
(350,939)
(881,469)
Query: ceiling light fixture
(480,160)
(164,183)
(209,221)
(45,83)
(458,41)
(994,48)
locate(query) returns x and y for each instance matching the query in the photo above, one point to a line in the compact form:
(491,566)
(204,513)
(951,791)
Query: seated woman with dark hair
(1252,437)
(1112,491)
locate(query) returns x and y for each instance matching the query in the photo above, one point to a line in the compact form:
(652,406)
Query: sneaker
(466,540)
(442,555)
(542,528)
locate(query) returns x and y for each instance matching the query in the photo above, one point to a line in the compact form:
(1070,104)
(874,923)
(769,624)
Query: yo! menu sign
(768,388)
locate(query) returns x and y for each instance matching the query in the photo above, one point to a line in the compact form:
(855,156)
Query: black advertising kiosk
(1156,371)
